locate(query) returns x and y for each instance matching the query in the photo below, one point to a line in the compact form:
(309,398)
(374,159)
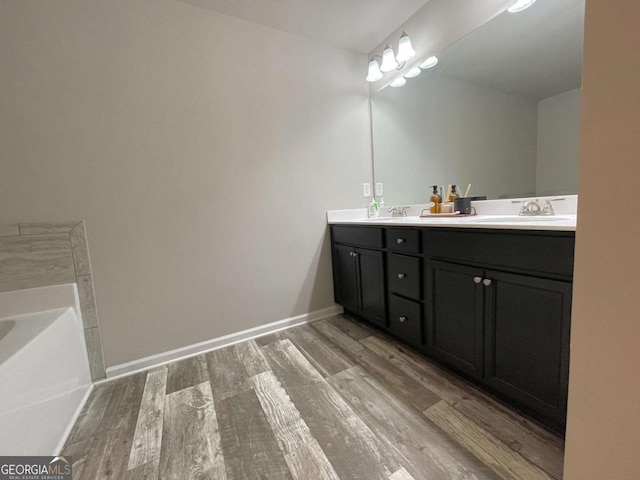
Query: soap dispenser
(373,208)
(435,200)
(454,193)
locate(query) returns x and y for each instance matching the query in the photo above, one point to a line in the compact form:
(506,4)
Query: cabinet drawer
(405,320)
(404,276)
(361,236)
(544,254)
(403,240)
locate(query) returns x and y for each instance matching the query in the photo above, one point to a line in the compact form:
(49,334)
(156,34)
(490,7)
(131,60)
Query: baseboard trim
(159,359)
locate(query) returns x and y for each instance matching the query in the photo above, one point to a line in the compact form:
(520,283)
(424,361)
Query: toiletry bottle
(373,208)
(380,203)
(435,200)
(454,193)
(441,199)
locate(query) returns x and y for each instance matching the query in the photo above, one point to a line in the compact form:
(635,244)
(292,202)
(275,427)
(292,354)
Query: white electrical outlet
(366,189)
(379,190)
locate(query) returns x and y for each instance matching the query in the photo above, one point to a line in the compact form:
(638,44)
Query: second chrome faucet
(398,211)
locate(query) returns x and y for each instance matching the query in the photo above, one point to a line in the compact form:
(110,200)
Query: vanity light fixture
(389,60)
(405,49)
(374,71)
(429,62)
(520,5)
(398,82)
(414,72)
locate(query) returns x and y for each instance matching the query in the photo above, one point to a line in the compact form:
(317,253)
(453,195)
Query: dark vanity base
(549,424)
(494,306)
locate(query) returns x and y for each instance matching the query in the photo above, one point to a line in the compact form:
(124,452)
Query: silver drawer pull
(400,240)
(401,275)
(486,282)
(477,279)
(402,319)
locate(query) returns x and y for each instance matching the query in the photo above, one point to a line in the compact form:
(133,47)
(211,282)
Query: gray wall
(437,130)
(201,150)
(558,143)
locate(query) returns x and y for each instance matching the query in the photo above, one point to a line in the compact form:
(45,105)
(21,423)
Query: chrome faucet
(533,208)
(398,211)
(530,207)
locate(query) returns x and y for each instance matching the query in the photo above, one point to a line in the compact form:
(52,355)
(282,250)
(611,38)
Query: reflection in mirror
(500,110)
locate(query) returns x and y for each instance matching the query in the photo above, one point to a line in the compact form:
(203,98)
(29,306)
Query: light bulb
(398,82)
(429,62)
(520,5)
(388,59)
(414,72)
(374,71)
(405,49)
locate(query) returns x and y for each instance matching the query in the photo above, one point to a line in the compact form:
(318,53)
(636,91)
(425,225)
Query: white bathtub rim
(72,421)
(16,303)
(59,311)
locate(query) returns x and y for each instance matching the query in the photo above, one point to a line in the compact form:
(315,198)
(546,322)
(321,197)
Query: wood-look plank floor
(330,400)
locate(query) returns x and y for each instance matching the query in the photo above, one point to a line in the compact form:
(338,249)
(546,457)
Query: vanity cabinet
(455,316)
(492,305)
(527,325)
(358,275)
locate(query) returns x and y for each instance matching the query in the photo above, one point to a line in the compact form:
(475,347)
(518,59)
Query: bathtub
(44,369)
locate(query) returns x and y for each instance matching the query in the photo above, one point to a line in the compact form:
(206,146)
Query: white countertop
(494,214)
(565,222)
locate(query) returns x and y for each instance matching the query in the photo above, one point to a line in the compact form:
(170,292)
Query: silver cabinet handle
(402,319)
(355,254)
(486,282)
(351,254)
(401,275)
(400,240)
(477,279)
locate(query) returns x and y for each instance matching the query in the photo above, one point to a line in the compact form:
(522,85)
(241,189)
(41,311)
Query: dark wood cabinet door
(372,287)
(454,315)
(345,277)
(527,341)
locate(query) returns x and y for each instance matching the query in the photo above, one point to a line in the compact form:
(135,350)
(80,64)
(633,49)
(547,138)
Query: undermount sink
(518,219)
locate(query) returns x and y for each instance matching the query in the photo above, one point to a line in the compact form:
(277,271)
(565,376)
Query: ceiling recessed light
(520,5)
(429,62)
(414,72)
(398,82)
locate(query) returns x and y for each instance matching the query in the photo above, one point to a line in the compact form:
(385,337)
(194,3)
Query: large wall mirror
(500,110)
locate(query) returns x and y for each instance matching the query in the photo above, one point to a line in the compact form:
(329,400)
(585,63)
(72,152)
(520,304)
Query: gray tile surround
(35,261)
(53,253)
(8,229)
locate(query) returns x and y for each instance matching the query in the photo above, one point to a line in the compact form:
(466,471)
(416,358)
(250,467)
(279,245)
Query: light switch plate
(366,189)
(379,190)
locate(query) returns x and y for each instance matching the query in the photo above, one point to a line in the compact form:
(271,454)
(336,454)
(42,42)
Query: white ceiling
(357,25)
